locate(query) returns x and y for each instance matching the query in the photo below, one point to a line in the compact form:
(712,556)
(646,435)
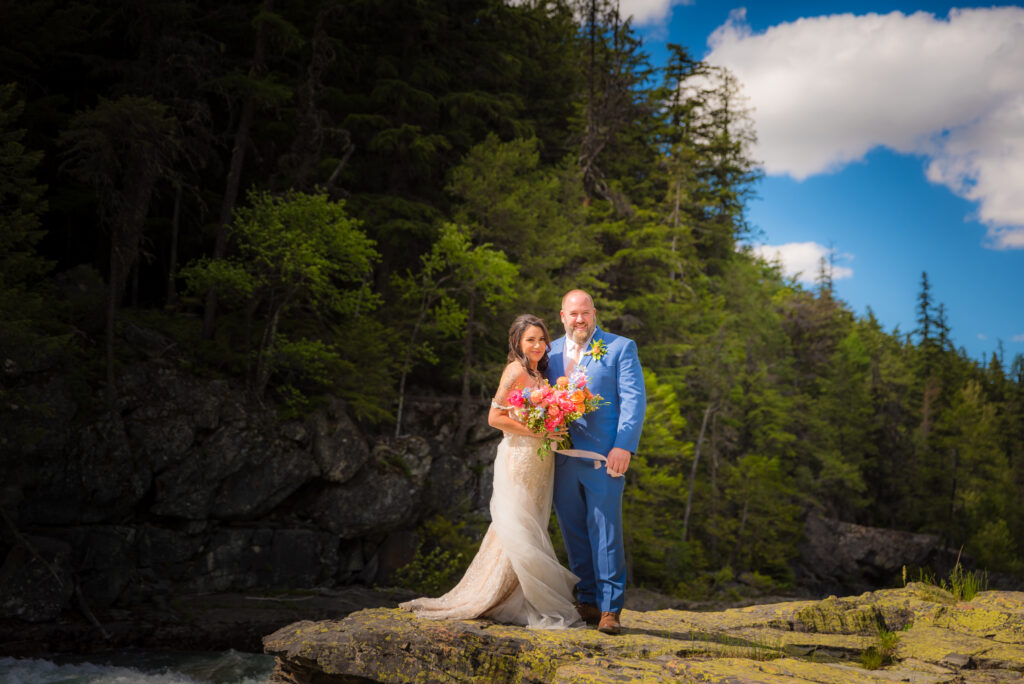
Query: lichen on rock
(940,640)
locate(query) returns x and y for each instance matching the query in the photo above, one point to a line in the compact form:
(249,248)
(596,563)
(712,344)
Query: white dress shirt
(574,352)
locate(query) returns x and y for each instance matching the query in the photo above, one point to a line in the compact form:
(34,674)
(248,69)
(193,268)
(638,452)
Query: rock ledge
(940,640)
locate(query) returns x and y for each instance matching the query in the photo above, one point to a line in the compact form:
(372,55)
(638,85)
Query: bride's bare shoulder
(514,374)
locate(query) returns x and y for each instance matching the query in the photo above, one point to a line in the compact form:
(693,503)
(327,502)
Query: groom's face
(579,317)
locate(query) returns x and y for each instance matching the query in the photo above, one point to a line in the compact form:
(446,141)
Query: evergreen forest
(356,197)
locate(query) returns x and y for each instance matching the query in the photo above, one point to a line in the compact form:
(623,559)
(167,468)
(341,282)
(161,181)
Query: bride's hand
(559,434)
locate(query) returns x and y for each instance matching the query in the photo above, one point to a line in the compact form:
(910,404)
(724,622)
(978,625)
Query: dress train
(514,577)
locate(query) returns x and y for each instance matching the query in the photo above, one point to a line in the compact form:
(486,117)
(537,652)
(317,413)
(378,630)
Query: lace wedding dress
(515,577)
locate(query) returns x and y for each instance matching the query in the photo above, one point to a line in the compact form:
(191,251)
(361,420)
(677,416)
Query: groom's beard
(580,335)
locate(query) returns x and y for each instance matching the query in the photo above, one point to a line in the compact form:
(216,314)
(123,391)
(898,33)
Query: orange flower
(562,381)
(578,397)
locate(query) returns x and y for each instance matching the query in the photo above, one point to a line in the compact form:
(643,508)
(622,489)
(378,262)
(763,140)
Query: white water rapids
(140,667)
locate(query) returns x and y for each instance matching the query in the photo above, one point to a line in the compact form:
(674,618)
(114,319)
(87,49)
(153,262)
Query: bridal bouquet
(545,409)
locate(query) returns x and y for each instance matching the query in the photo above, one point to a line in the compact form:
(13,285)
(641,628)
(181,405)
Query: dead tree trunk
(693,469)
(465,408)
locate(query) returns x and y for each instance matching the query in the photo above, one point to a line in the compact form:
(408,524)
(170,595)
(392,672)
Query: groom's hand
(618,461)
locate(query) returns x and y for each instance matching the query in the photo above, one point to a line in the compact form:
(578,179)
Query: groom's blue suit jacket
(617,377)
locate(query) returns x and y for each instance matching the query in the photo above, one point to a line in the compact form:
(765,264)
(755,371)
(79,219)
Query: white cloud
(982,336)
(647,12)
(802,260)
(826,90)
(1018,338)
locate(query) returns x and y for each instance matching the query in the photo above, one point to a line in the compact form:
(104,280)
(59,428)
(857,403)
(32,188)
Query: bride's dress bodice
(526,470)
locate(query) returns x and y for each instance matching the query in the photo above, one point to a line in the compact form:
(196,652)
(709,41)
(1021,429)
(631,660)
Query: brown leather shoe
(589,612)
(609,623)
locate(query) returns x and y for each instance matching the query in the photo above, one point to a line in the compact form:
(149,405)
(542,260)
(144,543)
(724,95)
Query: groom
(588,496)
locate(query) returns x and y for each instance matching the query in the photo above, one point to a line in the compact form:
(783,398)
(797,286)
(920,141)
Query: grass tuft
(962,584)
(881,652)
(965,584)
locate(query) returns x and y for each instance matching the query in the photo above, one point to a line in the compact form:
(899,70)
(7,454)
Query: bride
(515,577)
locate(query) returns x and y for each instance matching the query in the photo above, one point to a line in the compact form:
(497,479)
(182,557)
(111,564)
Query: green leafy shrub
(441,558)
(298,296)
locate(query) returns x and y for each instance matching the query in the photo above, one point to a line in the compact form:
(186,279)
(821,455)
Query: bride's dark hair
(515,344)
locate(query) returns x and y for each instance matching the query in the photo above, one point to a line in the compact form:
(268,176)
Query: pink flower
(554,413)
(565,403)
(536,396)
(515,399)
(550,425)
(581,381)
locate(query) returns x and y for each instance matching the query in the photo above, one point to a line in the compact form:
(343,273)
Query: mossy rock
(940,640)
(833,616)
(996,615)
(891,609)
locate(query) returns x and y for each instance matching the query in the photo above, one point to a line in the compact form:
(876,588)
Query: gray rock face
(839,557)
(112,476)
(381,498)
(411,455)
(105,559)
(267,479)
(35,588)
(188,486)
(233,559)
(482,457)
(95,478)
(38,422)
(337,446)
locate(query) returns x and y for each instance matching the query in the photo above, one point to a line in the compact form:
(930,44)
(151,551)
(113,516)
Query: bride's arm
(498,418)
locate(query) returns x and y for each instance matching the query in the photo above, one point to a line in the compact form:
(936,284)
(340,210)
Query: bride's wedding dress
(515,577)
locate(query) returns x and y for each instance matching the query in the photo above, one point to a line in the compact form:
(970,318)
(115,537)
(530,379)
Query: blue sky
(896,139)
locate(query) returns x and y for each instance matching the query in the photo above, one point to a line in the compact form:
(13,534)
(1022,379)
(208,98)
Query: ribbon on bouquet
(597,458)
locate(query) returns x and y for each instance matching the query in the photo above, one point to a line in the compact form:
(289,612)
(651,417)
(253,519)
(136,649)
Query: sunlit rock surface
(940,640)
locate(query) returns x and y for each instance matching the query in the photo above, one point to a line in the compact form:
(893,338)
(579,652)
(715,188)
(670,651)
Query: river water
(140,667)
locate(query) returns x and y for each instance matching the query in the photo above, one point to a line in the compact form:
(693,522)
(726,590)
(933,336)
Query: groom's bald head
(577,294)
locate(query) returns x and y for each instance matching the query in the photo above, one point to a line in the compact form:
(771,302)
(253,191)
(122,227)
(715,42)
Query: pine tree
(122,148)
(533,214)
(257,88)
(454,279)
(659,553)
(24,310)
(617,125)
(21,197)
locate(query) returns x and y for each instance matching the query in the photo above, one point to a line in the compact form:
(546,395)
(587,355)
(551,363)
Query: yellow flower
(598,348)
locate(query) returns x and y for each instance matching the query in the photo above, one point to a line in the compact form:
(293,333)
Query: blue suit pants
(588,504)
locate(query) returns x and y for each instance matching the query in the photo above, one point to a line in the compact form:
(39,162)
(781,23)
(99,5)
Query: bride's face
(534,344)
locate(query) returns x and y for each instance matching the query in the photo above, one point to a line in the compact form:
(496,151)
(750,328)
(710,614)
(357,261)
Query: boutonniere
(597,349)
